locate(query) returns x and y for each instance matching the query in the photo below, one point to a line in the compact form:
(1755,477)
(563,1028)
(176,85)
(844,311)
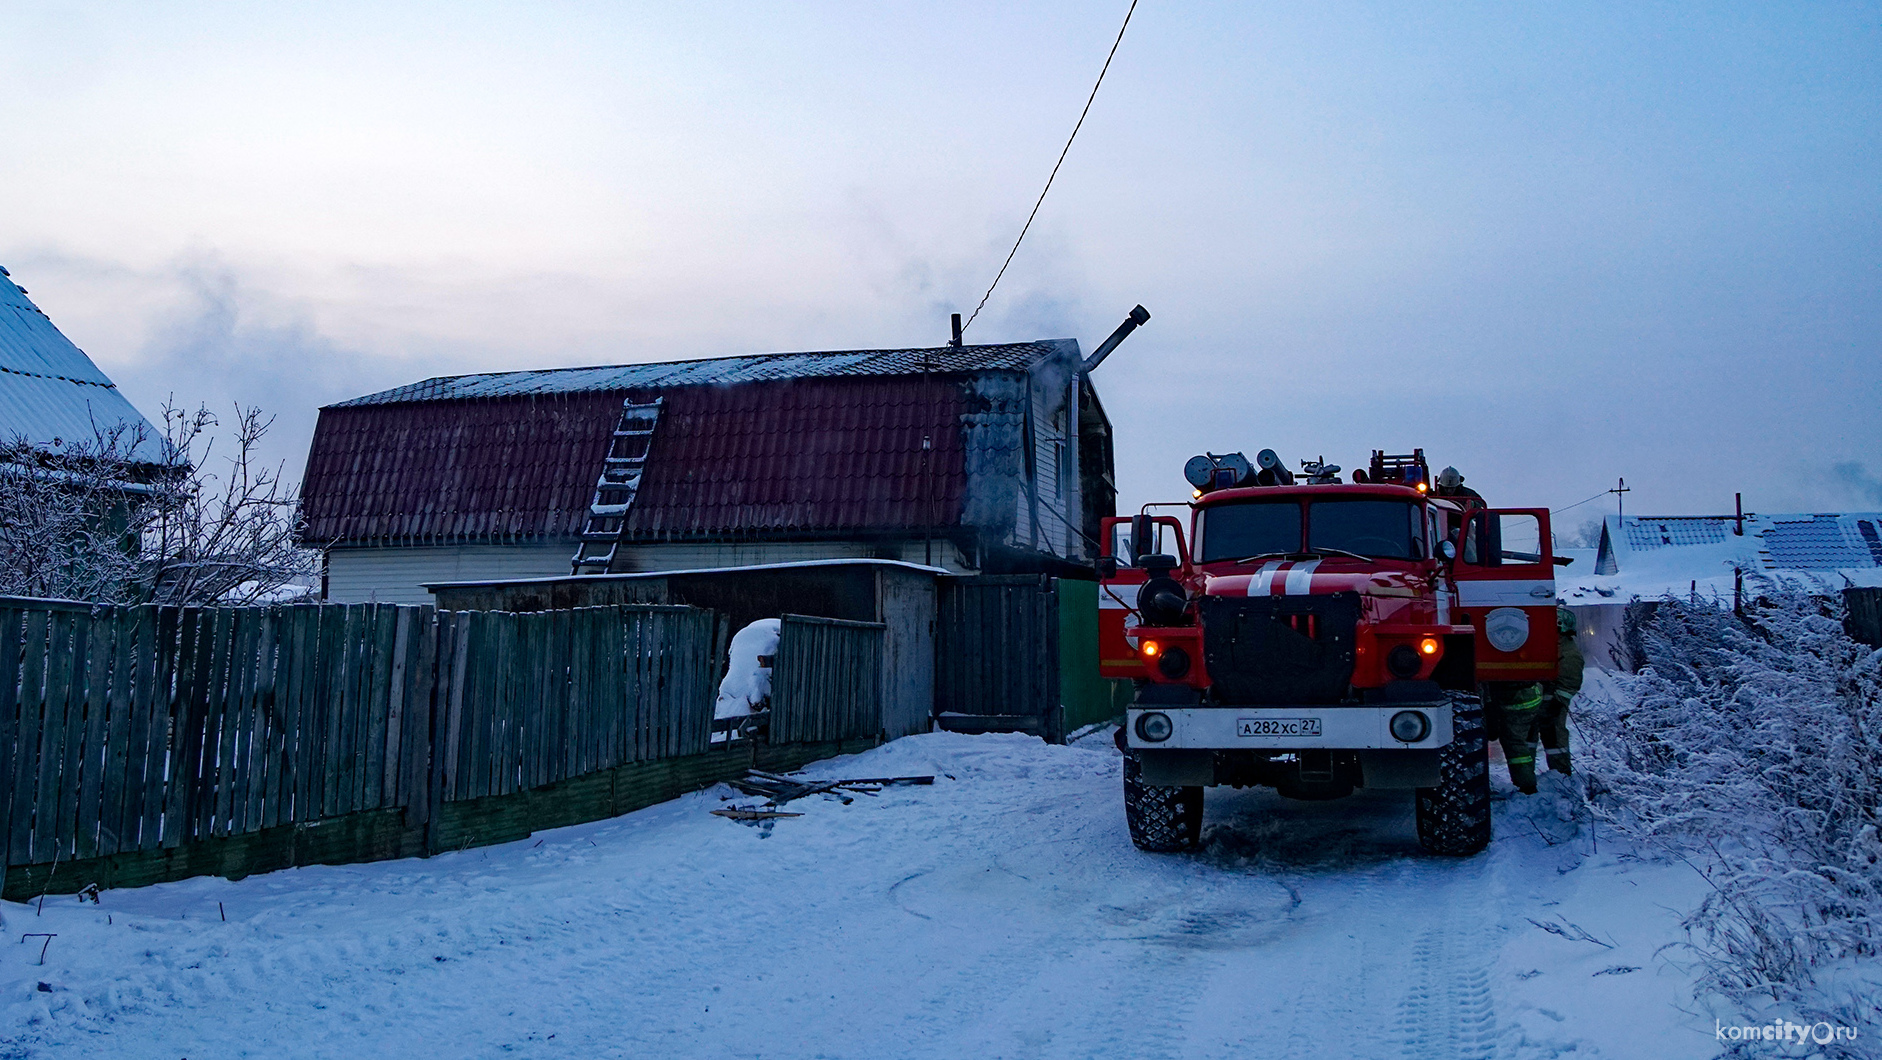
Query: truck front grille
(1280,649)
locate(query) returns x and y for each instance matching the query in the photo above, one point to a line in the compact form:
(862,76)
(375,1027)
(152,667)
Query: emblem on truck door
(1507,628)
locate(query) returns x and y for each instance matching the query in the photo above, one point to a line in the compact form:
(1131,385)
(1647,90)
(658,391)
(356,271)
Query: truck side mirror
(1143,533)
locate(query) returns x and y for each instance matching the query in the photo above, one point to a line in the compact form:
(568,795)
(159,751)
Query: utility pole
(1620,503)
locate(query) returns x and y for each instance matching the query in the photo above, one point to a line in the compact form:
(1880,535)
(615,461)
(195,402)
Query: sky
(1553,245)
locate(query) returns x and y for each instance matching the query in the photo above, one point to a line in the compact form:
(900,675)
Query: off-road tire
(1454,817)
(1162,820)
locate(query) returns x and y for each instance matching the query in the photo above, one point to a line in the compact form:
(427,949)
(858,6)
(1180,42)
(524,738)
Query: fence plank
(75,668)
(160,722)
(381,788)
(261,712)
(454,729)
(397,689)
(101,655)
(12,632)
(325,750)
(530,691)
(504,717)
(52,735)
(419,712)
(481,705)
(37,625)
(194,627)
(114,759)
(238,682)
(212,813)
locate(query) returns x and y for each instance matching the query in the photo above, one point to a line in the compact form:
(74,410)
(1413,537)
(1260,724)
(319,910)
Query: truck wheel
(1454,817)
(1162,820)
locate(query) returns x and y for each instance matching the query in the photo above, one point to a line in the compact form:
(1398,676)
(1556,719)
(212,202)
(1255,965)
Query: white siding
(399,575)
(702,555)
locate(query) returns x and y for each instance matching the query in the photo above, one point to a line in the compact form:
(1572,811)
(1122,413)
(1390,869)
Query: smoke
(222,342)
(1856,480)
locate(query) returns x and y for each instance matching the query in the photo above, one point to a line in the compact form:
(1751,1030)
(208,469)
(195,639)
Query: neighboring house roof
(49,390)
(819,444)
(726,371)
(1648,556)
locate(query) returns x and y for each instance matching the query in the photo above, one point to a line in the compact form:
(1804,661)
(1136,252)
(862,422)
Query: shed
(899,595)
(993,458)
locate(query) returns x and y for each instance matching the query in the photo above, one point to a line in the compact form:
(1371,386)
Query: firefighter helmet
(1449,479)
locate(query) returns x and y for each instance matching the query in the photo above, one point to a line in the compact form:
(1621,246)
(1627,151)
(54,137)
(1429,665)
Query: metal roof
(834,455)
(725,371)
(49,390)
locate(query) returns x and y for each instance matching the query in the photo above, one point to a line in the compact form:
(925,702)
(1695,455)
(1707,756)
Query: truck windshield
(1237,531)
(1385,529)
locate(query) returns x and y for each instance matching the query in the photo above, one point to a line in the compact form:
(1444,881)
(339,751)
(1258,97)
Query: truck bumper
(1342,728)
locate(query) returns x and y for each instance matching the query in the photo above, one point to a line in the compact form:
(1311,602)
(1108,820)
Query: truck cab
(1318,636)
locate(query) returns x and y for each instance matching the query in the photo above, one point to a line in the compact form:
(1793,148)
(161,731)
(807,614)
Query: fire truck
(1318,636)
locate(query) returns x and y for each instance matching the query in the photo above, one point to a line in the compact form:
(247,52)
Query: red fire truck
(1317,636)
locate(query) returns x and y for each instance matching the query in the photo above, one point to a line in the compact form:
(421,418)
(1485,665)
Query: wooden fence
(145,743)
(827,681)
(997,655)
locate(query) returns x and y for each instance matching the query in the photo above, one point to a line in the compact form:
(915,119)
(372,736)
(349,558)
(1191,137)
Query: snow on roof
(725,371)
(49,390)
(1650,556)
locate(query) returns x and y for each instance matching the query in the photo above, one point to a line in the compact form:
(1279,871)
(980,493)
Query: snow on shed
(994,457)
(51,394)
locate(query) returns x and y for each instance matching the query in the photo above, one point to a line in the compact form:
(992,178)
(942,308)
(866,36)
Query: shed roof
(724,371)
(49,389)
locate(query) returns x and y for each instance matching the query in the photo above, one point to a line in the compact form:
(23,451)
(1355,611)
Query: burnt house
(980,459)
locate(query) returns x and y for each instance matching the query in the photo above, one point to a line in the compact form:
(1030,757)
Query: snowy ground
(1000,913)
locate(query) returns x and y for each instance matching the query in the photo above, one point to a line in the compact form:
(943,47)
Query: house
(1648,556)
(977,459)
(52,397)
(1722,558)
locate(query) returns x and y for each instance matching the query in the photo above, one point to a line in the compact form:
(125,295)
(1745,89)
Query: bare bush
(124,517)
(1753,746)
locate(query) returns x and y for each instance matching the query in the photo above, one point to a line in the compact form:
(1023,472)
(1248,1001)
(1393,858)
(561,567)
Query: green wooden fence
(142,743)
(827,681)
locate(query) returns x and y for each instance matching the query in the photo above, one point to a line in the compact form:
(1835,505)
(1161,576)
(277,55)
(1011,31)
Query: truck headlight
(1410,726)
(1154,727)
(1403,661)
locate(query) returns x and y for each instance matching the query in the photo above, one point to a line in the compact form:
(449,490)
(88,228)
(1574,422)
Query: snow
(747,683)
(1001,912)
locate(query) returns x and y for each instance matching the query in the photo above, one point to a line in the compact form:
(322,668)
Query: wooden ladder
(614,493)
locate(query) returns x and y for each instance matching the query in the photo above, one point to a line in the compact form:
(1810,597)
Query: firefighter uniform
(1512,708)
(1559,693)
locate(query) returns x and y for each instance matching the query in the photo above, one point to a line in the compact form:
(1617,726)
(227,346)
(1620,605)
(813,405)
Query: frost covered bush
(127,518)
(1753,745)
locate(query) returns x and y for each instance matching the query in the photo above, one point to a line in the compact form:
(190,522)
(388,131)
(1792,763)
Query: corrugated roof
(836,454)
(49,389)
(724,371)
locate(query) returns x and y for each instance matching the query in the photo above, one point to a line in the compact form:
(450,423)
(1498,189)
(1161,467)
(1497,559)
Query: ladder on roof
(615,491)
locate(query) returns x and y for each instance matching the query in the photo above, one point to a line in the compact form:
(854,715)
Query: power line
(1055,168)
(1578,504)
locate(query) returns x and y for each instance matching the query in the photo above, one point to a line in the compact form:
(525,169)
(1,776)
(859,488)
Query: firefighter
(1511,708)
(1559,693)
(1451,484)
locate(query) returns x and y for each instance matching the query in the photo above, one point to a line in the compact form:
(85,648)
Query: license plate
(1277,726)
